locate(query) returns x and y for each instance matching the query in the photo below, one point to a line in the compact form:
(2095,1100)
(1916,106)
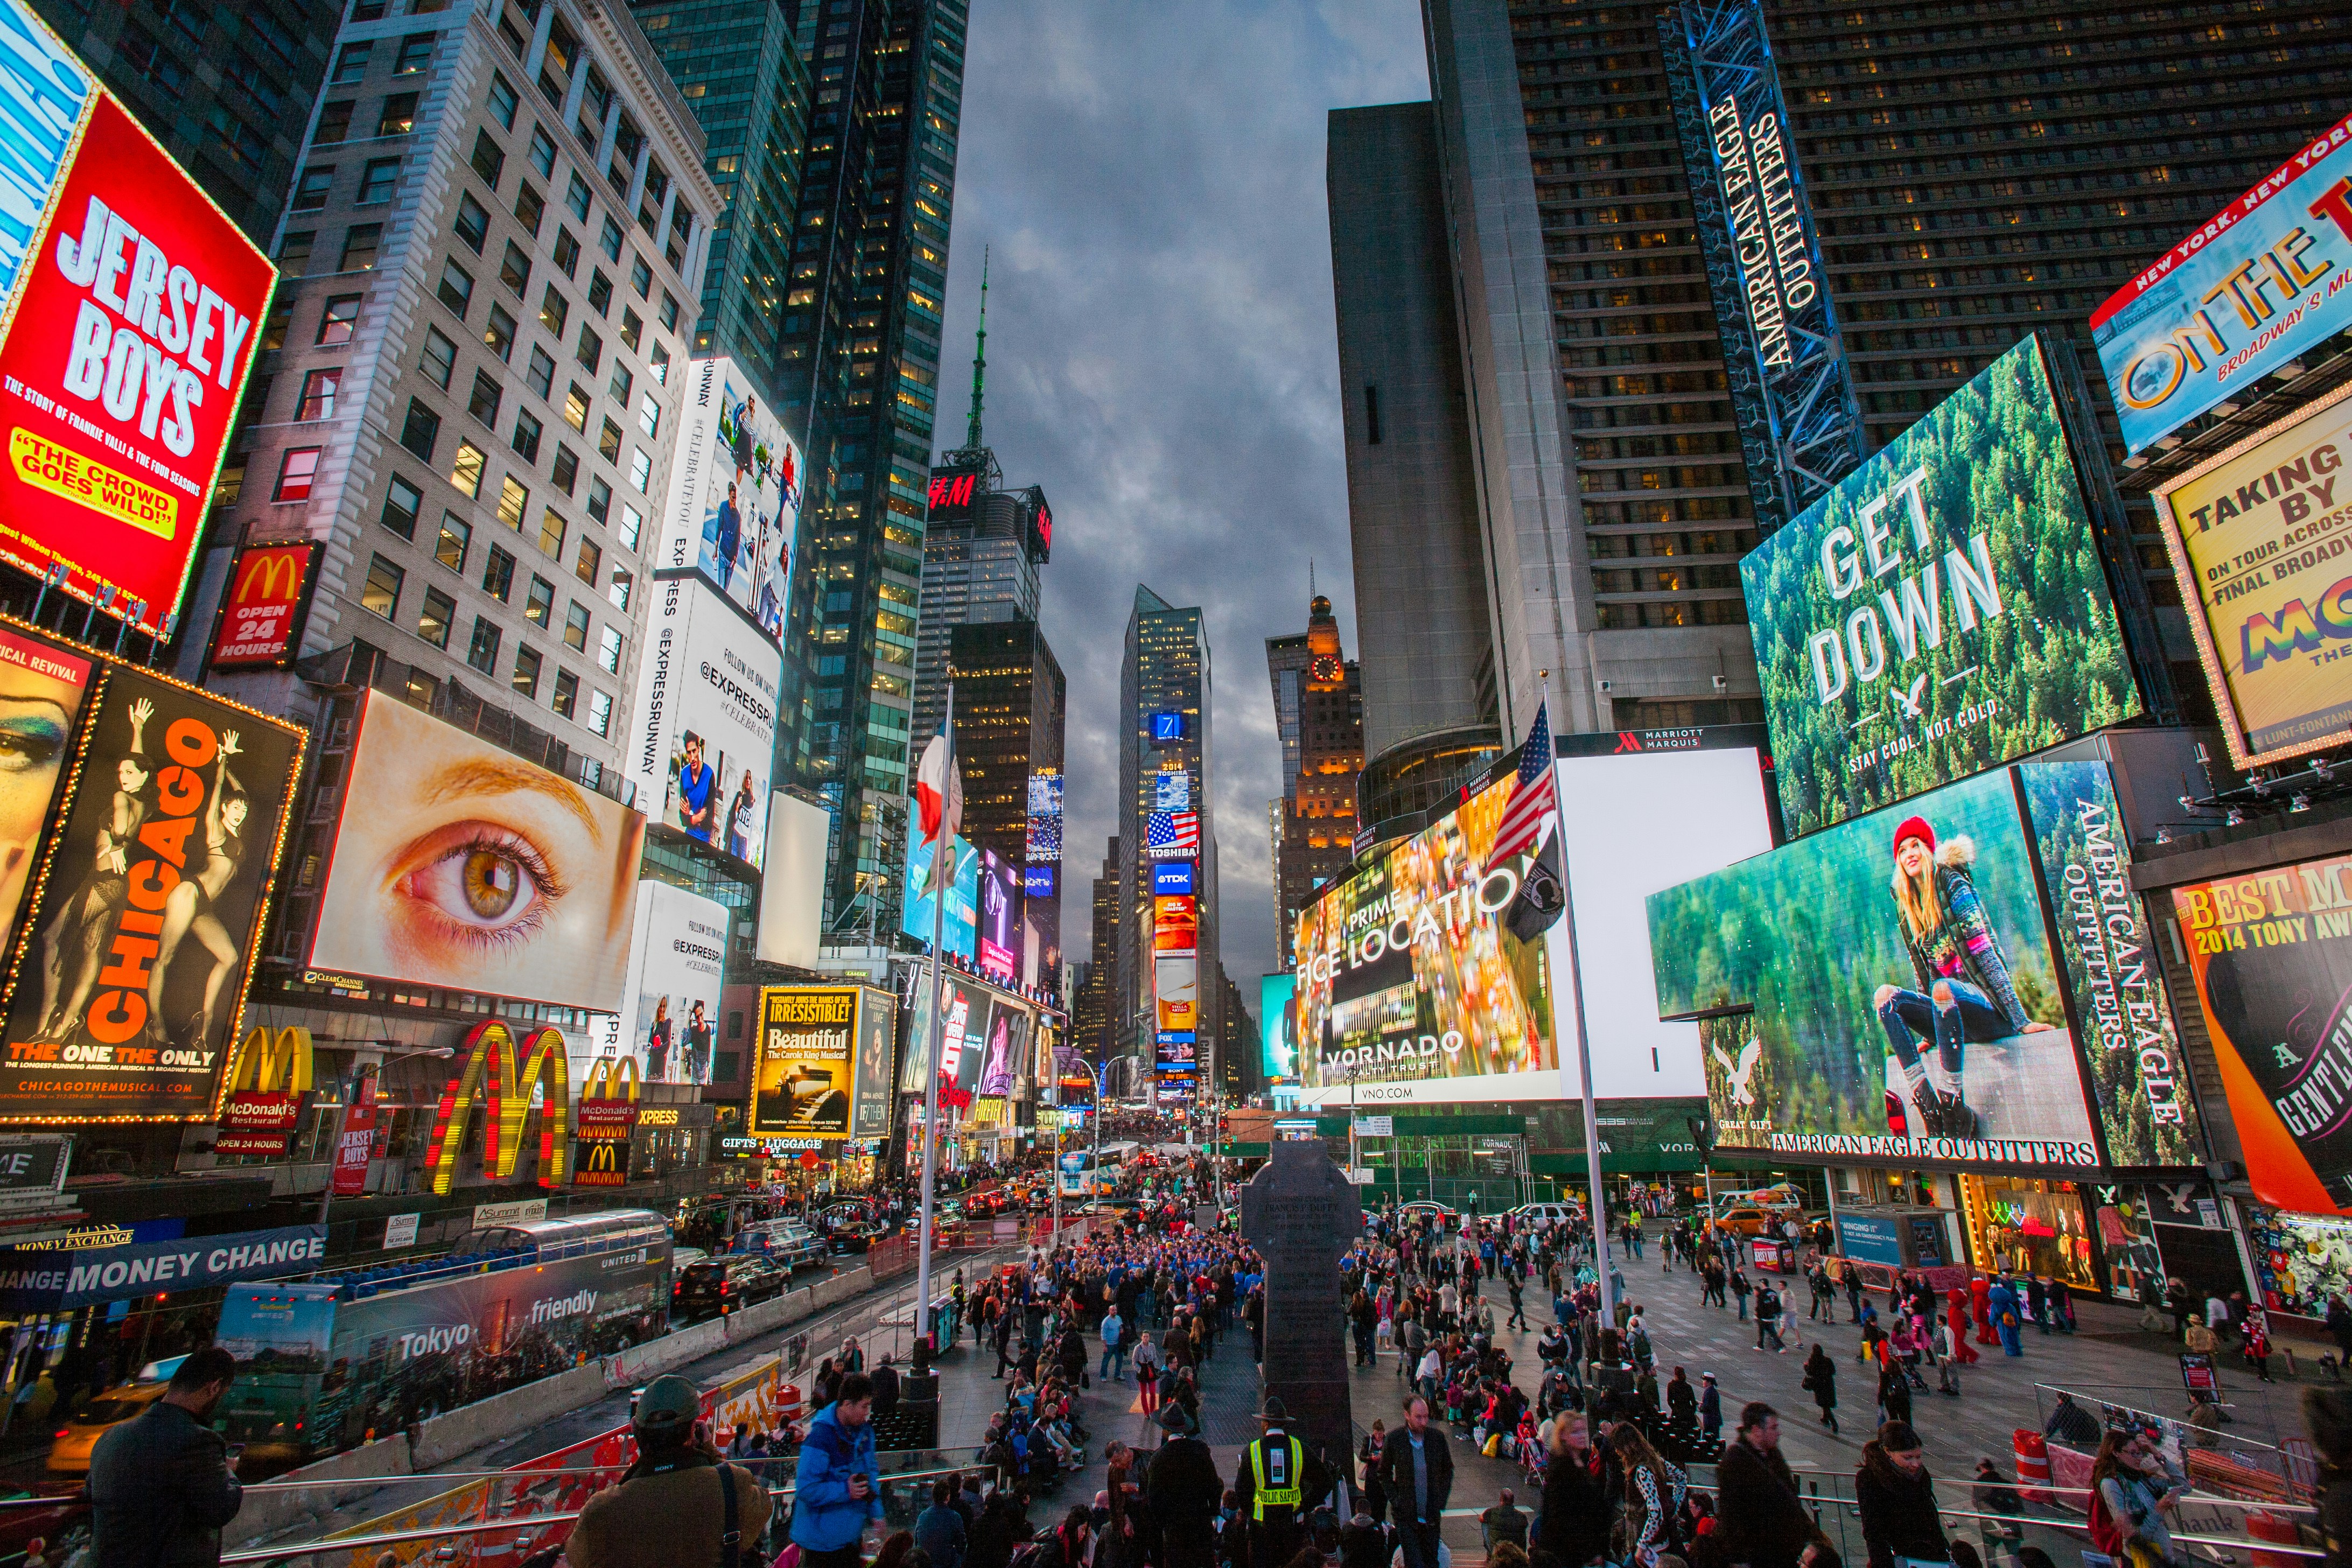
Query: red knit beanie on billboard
(1915,827)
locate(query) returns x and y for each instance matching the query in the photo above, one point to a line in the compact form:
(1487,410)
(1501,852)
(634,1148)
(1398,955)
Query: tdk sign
(1170,878)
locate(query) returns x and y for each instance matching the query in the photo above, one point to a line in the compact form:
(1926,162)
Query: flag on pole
(1535,802)
(938,790)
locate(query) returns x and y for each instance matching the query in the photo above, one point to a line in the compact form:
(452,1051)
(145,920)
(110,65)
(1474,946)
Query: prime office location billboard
(2264,535)
(2260,282)
(1945,609)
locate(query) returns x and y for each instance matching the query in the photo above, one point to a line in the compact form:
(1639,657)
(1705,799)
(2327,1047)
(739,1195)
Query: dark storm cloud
(1148,180)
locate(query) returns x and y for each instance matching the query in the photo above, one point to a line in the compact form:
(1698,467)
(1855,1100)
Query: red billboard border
(301,616)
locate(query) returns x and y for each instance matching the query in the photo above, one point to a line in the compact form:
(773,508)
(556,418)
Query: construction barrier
(2033,1454)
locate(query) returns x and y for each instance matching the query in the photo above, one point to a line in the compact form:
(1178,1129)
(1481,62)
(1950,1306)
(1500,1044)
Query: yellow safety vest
(1287,1496)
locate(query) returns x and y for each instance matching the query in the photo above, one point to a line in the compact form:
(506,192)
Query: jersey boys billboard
(1945,609)
(127,335)
(2265,279)
(2264,534)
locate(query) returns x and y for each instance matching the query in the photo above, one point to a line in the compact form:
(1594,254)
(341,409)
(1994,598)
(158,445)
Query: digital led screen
(1045,818)
(734,497)
(1277,1027)
(999,918)
(703,738)
(963,914)
(1171,877)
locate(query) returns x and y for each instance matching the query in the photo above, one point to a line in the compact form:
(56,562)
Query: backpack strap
(731,1535)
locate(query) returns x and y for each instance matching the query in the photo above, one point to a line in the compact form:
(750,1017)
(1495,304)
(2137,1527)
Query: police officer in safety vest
(1278,1483)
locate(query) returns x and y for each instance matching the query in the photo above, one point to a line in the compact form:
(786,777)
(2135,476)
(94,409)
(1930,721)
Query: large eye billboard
(461,865)
(1945,609)
(1893,988)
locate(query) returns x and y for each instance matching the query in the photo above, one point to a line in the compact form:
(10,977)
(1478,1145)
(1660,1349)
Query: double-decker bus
(1084,1176)
(328,1362)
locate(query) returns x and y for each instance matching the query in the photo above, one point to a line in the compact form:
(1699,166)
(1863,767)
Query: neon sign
(490,1070)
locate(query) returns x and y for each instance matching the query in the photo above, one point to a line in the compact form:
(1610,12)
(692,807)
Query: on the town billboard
(457,864)
(734,500)
(1945,609)
(126,985)
(703,740)
(128,301)
(2263,534)
(1895,987)
(2263,280)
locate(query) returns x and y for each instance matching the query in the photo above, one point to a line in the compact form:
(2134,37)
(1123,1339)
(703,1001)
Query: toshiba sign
(126,334)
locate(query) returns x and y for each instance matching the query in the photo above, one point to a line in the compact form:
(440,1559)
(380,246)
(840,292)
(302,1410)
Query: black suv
(721,1285)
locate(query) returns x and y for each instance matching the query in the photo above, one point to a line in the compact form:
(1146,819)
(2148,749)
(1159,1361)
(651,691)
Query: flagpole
(1597,1210)
(942,858)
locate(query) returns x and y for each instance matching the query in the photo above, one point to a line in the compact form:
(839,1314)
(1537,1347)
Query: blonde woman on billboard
(188,907)
(103,894)
(1965,992)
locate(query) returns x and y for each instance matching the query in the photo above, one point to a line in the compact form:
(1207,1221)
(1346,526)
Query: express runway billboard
(704,739)
(735,493)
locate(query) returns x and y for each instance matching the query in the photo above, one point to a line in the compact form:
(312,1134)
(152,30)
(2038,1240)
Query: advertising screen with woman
(42,689)
(1907,1001)
(459,865)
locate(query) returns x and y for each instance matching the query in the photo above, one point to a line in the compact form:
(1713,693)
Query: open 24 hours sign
(126,332)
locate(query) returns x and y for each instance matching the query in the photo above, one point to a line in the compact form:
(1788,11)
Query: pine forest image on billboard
(1408,982)
(1944,610)
(1906,1001)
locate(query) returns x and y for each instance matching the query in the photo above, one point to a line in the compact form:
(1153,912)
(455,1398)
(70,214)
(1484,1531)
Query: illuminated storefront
(2028,1227)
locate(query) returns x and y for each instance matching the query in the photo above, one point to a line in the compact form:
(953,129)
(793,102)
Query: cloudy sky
(1148,181)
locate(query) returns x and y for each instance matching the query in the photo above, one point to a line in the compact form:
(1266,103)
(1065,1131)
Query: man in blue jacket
(835,1493)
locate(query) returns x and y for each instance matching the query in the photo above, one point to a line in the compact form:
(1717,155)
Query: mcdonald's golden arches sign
(490,1072)
(268,1084)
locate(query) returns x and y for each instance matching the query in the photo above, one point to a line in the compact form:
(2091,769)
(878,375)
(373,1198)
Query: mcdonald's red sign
(263,605)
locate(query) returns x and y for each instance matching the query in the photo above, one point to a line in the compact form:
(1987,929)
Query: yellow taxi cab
(80,1432)
(1750,1220)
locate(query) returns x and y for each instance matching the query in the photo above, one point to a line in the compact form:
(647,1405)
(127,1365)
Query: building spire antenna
(979,356)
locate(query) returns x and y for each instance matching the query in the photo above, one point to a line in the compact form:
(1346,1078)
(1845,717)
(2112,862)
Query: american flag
(1170,833)
(1536,799)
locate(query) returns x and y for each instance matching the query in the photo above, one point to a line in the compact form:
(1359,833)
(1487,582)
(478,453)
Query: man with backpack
(835,1490)
(679,1504)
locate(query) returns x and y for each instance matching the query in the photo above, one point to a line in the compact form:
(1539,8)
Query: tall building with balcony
(858,369)
(1318,708)
(470,378)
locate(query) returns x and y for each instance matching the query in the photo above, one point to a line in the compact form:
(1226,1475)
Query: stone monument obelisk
(1302,1214)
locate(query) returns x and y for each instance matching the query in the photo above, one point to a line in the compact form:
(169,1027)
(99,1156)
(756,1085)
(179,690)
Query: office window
(351,64)
(542,152)
(489,158)
(273,331)
(498,575)
(340,320)
(575,408)
(567,692)
(433,621)
(608,441)
(439,360)
(649,416)
(575,626)
(631,326)
(484,403)
(600,499)
(294,251)
(457,539)
(415,53)
(256,399)
(633,526)
(609,242)
(641,471)
(600,711)
(466,473)
(421,429)
(530,206)
(553,311)
(482,651)
(401,505)
(567,252)
(500,335)
(669,311)
(621,382)
(398,117)
(539,604)
(527,429)
(526,672)
(552,529)
(380,596)
(503,100)
(472,223)
(609,644)
(541,373)
(310,190)
(590,350)
(589,566)
(600,292)
(576,198)
(456,288)
(296,468)
(567,467)
(514,501)
(319,393)
(361,243)
(377,180)
(334,121)
(623,586)
(660,365)
(641,278)
(514,269)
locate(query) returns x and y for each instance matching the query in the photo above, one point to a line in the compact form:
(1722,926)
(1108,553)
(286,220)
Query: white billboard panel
(703,735)
(792,882)
(669,1002)
(734,500)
